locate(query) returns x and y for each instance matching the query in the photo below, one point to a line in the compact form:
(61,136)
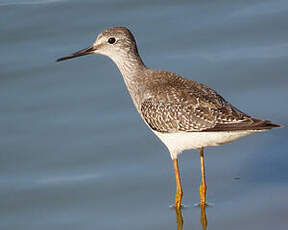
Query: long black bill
(83,52)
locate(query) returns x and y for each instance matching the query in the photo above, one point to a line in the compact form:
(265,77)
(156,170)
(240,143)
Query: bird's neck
(130,65)
(132,69)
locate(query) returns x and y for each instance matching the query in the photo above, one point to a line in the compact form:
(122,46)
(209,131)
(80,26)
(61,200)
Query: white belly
(178,142)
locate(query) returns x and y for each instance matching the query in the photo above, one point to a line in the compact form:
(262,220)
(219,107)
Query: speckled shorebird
(183,113)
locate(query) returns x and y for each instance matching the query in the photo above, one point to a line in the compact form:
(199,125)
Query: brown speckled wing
(168,117)
(185,105)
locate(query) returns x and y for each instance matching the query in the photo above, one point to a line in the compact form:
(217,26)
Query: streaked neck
(130,65)
(132,69)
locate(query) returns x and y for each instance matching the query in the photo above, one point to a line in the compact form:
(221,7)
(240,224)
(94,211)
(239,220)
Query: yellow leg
(179,219)
(203,186)
(179,192)
(203,219)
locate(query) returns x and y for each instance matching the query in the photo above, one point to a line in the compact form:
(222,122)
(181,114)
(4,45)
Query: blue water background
(74,152)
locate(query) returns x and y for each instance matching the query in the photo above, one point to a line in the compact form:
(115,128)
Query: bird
(182,113)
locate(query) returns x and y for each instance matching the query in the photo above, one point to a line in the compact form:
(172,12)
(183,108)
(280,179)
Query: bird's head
(114,42)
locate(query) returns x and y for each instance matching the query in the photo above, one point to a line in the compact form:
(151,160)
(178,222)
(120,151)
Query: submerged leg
(203,186)
(203,219)
(179,219)
(179,192)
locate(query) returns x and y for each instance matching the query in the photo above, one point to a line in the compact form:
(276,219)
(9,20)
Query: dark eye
(111,40)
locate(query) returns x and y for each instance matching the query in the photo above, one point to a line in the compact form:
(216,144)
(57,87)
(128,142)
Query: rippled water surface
(74,152)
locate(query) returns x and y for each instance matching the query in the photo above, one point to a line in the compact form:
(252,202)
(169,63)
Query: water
(74,152)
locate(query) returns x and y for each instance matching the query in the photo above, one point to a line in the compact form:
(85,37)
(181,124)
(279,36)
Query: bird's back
(171,103)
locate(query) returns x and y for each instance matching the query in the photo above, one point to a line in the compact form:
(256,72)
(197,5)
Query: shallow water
(74,152)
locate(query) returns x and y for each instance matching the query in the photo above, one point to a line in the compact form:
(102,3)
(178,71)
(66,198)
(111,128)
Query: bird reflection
(203,219)
(179,219)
